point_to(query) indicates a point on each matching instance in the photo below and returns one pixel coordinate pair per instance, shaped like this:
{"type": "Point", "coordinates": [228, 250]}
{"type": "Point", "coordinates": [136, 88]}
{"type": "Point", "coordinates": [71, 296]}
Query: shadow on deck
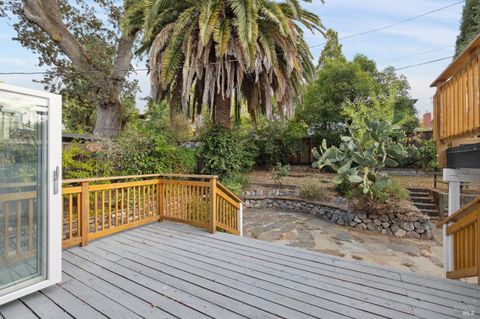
{"type": "Point", "coordinates": [168, 270]}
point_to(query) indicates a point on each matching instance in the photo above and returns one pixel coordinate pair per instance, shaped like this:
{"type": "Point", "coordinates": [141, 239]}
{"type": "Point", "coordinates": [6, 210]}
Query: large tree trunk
{"type": "Point", "coordinates": [222, 111]}
{"type": "Point", "coordinates": [46, 15]}
{"type": "Point", "coordinates": [109, 119]}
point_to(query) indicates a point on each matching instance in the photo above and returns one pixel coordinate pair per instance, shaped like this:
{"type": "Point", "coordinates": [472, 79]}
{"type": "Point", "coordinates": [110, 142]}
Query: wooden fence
{"type": "Point", "coordinates": [456, 104]}
{"type": "Point", "coordinates": [464, 227]}
{"type": "Point", "coordinates": [97, 207]}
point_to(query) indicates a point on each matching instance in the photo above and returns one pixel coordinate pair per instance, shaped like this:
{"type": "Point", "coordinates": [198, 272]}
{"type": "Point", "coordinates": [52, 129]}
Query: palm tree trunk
{"type": "Point", "coordinates": [222, 111]}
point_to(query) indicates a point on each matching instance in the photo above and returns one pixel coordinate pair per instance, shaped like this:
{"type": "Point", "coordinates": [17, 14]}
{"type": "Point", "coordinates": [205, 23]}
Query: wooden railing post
{"type": "Point", "coordinates": [160, 200]}
{"type": "Point", "coordinates": [477, 246]}
{"type": "Point", "coordinates": [85, 218]}
{"type": "Point", "coordinates": [213, 206]}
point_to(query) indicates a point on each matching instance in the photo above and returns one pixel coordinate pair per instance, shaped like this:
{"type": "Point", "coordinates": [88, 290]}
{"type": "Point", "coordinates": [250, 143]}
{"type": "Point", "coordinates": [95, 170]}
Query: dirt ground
{"type": "Point", "coordinates": [299, 174]}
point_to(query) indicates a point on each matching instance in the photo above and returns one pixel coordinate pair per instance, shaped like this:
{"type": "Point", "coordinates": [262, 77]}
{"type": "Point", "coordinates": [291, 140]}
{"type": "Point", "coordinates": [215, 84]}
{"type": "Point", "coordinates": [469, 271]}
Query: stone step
{"type": "Point", "coordinates": [420, 195]}
{"type": "Point", "coordinates": [418, 190]}
{"type": "Point", "coordinates": [430, 212]}
{"type": "Point", "coordinates": [417, 199]}
{"type": "Point", "coordinates": [425, 206]}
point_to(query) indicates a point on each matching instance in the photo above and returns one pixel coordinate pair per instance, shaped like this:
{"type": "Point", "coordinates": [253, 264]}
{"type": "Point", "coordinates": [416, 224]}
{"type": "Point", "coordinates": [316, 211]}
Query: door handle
{"type": "Point", "coordinates": [56, 179]}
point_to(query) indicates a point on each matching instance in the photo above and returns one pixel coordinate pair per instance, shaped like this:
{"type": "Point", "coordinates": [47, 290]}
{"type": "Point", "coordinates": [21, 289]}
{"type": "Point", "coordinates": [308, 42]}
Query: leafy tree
{"type": "Point", "coordinates": [277, 141]}
{"type": "Point", "coordinates": [470, 25]}
{"type": "Point", "coordinates": [337, 82]}
{"type": "Point", "coordinates": [332, 49]}
{"type": "Point", "coordinates": [215, 52]}
{"type": "Point", "coordinates": [88, 57]}
{"type": "Point", "coordinates": [347, 91]}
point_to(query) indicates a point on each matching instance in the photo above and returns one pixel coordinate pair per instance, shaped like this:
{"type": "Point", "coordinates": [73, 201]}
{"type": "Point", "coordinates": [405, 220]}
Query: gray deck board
{"type": "Point", "coordinates": [168, 270]}
{"type": "Point", "coordinates": [293, 290]}
{"type": "Point", "coordinates": [44, 307]}
{"type": "Point", "coordinates": [292, 280]}
{"type": "Point", "coordinates": [410, 281]}
{"type": "Point", "coordinates": [332, 262]}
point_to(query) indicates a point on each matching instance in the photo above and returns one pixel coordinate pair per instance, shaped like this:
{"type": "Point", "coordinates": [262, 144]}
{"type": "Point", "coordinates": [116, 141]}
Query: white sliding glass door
{"type": "Point", "coordinates": [30, 191]}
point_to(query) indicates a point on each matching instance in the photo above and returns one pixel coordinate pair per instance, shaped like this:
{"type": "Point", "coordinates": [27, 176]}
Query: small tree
{"type": "Point", "coordinates": [332, 49]}
{"type": "Point", "coordinates": [279, 172]}
{"type": "Point", "coordinates": [360, 157]}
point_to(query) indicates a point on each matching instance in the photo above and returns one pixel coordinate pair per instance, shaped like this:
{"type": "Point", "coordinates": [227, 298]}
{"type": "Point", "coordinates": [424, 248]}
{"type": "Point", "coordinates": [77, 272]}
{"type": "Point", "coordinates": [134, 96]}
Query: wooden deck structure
{"type": "Point", "coordinates": [464, 228]}
{"type": "Point", "coordinates": [97, 207]}
{"type": "Point", "coordinates": [170, 270]}
{"type": "Point", "coordinates": [456, 103]}
{"type": "Point", "coordinates": [456, 109]}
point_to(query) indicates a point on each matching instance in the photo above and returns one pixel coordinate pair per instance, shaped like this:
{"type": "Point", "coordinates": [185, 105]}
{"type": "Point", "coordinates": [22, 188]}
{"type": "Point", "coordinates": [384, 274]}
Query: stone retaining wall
{"type": "Point", "coordinates": [414, 225]}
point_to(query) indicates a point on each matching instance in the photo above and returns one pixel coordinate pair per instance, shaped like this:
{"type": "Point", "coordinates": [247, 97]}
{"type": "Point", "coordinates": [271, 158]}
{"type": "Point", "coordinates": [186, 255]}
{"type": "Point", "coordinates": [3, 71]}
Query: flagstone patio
{"type": "Point", "coordinates": [311, 232]}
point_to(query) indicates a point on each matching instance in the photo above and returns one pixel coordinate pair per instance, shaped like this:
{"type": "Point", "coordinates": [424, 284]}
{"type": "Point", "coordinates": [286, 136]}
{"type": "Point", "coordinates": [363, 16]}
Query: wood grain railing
{"type": "Point", "coordinates": [464, 227]}
{"type": "Point", "coordinates": [228, 206]}
{"type": "Point", "coordinates": [456, 102]}
{"type": "Point", "coordinates": [97, 207]}
{"type": "Point", "coordinates": [17, 214]}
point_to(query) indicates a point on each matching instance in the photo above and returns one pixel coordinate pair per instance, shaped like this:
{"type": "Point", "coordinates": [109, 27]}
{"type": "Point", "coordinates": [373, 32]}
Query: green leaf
{"type": "Point", "coordinates": [324, 144]}
{"type": "Point", "coordinates": [390, 162]}
{"type": "Point", "coordinates": [338, 179]}
{"type": "Point", "coordinates": [382, 183]}
{"type": "Point", "coordinates": [342, 170]}
{"type": "Point", "coordinates": [355, 179]}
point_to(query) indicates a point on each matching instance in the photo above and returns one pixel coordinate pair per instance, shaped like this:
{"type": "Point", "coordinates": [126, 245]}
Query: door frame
{"type": "Point", "coordinates": [53, 256]}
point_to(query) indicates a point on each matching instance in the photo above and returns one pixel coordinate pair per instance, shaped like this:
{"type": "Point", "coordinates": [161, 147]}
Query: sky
{"type": "Point", "coordinates": [400, 46]}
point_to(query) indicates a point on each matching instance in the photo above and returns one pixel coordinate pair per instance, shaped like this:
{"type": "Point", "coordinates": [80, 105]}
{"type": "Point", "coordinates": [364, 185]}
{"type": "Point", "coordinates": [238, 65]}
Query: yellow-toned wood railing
{"type": "Point", "coordinates": [17, 214]}
{"type": "Point", "coordinates": [97, 207]}
{"type": "Point", "coordinates": [464, 227]}
{"type": "Point", "coordinates": [456, 103]}
{"type": "Point", "coordinates": [228, 208]}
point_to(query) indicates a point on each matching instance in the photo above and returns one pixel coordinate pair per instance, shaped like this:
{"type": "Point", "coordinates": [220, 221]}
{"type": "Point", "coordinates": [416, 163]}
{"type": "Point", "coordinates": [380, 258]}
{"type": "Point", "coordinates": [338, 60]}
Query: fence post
{"type": "Point", "coordinates": [85, 218]}
{"type": "Point", "coordinates": [477, 245]}
{"type": "Point", "coordinates": [213, 206]}
{"type": "Point", "coordinates": [160, 200]}
{"type": "Point", "coordinates": [240, 219]}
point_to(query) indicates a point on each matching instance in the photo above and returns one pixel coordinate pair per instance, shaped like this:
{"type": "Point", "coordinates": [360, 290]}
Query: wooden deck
{"type": "Point", "coordinates": [167, 270]}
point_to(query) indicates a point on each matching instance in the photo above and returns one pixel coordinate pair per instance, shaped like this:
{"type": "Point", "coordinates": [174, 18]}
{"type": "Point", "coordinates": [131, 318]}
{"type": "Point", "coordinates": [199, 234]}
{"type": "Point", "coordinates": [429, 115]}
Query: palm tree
{"type": "Point", "coordinates": [216, 53]}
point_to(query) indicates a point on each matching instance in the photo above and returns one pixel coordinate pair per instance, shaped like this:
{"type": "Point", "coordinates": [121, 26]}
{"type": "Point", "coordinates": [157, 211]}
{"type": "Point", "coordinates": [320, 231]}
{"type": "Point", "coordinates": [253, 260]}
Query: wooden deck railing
{"type": "Point", "coordinates": [18, 220]}
{"type": "Point", "coordinates": [97, 207]}
{"type": "Point", "coordinates": [456, 103]}
{"type": "Point", "coordinates": [464, 227]}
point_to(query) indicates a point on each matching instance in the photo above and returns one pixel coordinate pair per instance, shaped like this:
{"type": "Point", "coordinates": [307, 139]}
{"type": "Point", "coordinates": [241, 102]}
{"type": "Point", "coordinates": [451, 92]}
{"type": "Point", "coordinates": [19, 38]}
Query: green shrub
{"type": "Point", "coordinates": [226, 152]}
{"type": "Point", "coordinates": [237, 183]}
{"type": "Point", "coordinates": [277, 142]}
{"type": "Point", "coordinates": [279, 172]}
{"type": "Point", "coordinates": [393, 191]}
{"type": "Point", "coordinates": [132, 153]}
{"type": "Point", "coordinates": [360, 158]}
{"type": "Point", "coordinates": [135, 153]}
{"type": "Point", "coordinates": [426, 155]}
{"type": "Point", "coordinates": [78, 162]}
{"type": "Point", "coordinates": [423, 155]}
{"type": "Point", "coordinates": [313, 190]}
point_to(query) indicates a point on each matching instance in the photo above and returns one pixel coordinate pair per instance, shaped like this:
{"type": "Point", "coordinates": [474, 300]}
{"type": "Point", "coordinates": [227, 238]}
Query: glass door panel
{"type": "Point", "coordinates": [24, 191]}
